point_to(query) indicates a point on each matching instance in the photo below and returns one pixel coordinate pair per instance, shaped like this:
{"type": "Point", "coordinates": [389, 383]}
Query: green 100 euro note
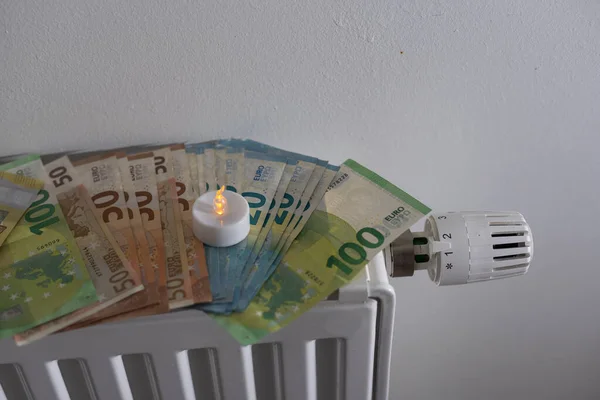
{"type": "Point", "coordinates": [42, 273]}
{"type": "Point", "coordinates": [360, 214]}
{"type": "Point", "coordinates": [17, 192]}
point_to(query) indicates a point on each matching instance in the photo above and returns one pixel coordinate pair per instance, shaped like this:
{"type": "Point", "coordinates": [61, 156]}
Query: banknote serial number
{"type": "Point", "coordinates": [91, 262]}
{"type": "Point", "coordinates": [314, 278]}
{"type": "Point", "coordinates": [337, 182]}
{"type": "Point", "coordinates": [49, 244]}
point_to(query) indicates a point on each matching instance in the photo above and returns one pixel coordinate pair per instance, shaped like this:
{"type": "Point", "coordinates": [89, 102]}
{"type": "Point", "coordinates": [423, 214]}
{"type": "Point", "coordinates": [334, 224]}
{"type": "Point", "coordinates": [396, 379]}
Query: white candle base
{"type": "Point", "coordinates": [221, 230]}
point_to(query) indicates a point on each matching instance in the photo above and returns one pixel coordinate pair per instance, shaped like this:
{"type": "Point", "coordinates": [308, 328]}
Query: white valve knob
{"type": "Point", "coordinates": [473, 246]}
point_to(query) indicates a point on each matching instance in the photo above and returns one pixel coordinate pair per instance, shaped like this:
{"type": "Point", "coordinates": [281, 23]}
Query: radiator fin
{"type": "Point", "coordinates": [299, 370]}
{"type": "Point", "coordinates": [204, 368]}
{"type": "Point", "coordinates": [76, 378]}
{"type": "Point", "coordinates": [331, 372]}
{"type": "Point", "coordinates": [43, 380]}
{"type": "Point", "coordinates": [268, 365]}
{"type": "Point", "coordinates": [12, 383]}
{"type": "Point", "coordinates": [141, 376]}
{"type": "Point", "coordinates": [108, 377]}
{"type": "Point", "coordinates": [172, 369]}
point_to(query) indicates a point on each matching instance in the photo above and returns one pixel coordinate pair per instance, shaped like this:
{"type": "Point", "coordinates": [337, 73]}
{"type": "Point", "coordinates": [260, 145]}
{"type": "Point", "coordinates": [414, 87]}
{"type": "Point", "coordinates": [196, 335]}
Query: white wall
{"type": "Point", "coordinates": [465, 104]}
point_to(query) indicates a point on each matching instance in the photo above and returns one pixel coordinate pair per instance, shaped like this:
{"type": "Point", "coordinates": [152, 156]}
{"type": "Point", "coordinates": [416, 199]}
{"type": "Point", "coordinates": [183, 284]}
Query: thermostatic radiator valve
{"type": "Point", "coordinates": [464, 247]}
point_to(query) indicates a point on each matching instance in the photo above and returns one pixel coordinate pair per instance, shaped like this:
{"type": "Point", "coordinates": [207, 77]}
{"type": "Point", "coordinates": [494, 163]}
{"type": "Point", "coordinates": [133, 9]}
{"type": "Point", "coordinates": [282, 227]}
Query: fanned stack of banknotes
{"type": "Point", "coordinates": [91, 239]}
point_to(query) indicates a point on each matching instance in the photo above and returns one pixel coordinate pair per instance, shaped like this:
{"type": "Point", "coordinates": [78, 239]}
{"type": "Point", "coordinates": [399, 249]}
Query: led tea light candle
{"type": "Point", "coordinates": [221, 218]}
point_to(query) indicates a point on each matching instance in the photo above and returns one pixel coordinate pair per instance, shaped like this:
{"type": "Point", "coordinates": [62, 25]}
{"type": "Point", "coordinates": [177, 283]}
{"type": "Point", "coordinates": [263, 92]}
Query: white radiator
{"type": "Point", "coordinates": [339, 350]}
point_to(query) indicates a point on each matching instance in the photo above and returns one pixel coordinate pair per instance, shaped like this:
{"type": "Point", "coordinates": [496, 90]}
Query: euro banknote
{"type": "Point", "coordinates": [313, 226]}
{"type": "Point", "coordinates": [42, 275]}
{"type": "Point", "coordinates": [111, 272]}
{"type": "Point", "coordinates": [229, 168]}
{"type": "Point", "coordinates": [111, 267]}
{"type": "Point", "coordinates": [262, 174]}
{"type": "Point", "coordinates": [142, 178]}
{"type": "Point", "coordinates": [315, 177]}
{"type": "Point", "coordinates": [102, 178]}
{"type": "Point", "coordinates": [194, 181]}
{"type": "Point", "coordinates": [253, 286]}
{"type": "Point", "coordinates": [139, 169]}
{"type": "Point", "coordinates": [146, 269]}
{"type": "Point", "coordinates": [205, 162]}
{"type": "Point", "coordinates": [248, 273]}
{"type": "Point", "coordinates": [179, 287]}
{"type": "Point", "coordinates": [305, 166]}
{"type": "Point", "coordinates": [303, 170]}
{"type": "Point", "coordinates": [194, 249]}
{"type": "Point", "coordinates": [17, 192]}
{"type": "Point", "coordinates": [360, 214]}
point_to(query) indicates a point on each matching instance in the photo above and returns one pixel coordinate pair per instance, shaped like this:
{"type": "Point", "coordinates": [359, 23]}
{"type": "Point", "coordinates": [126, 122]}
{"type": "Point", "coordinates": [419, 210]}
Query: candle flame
{"type": "Point", "coordinates": [220, 202]}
